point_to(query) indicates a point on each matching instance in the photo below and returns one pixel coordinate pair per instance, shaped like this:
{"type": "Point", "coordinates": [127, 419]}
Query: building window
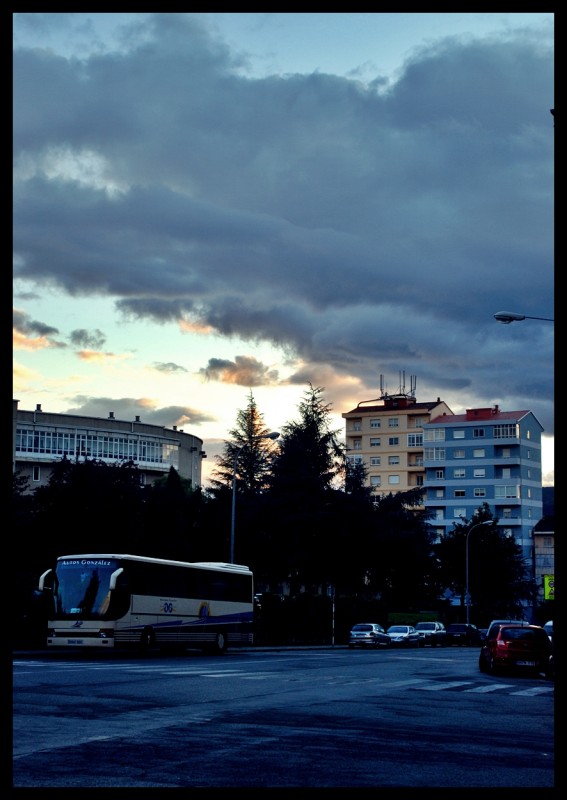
{"type": "Point", "coordinates": [506, 491]}
{"type": "Point", "coordinates": [393, 479]}
{"type": "Point", "coordinates": [505, 432]}
{"type": "Point", "coordinates": [418, 422]}
{"type": "Point", "coordinates": [440, 493]}
{"type": "Point", "coordinates": [529, 493]}
{"type": "Point", "coordinates": [458, 453]}
{"type": "Point", "coordinates": [415, 439]}
{"type": "Point", "coordinates": [419, 480]}
{"type": "Point", "coordinates": [357, 424]}
{"type": "Point", "coordinates": [506, 472]}
{"type": "Point", "coordinates": [460, 513]}
{"type": "Point", "coordinates": [528, 434]}
{"type": "Point", "coordinates": [393, 422]}
{"type": "Point", "coordinates": [458, 434]}
{"type": "Point", "coordinates": [394, 441]}
{"type": "Point", "coordinates": [478, 452]}
{"type": "Point", "coordinates": [434, 435]}
{"type": "Point", "coordinates": [374, 423]}
{"type": "Point", "coordinates": [507, 532]}
{"type": "Point", "coordinates": [36, 474]}
{"type": "Point", "coordinates": [357, 444]}
{"type": "Point", "coordinates": [478, 433]}
{"type": "Point", "coordinates": [459, 493]}
{"type": "Point", "coordinates": [354, 460]}
{"type": "Point", "coordinates": [439, 474]}
{"type": "Point", "coordinates": [393, 460]}
{"type": "Point", "coordinates": [529, 453]}
{"type": "Point", "coordinates": [374, 442]}
{"type": "Point", "coordinates": [459, 473]}
{"type": "Point", "coordinates": [529, 513]}
{"type": "Point", "coordinates": [438, 513]}
{"type": "Point", "coordinates": [375, 461]}
{"type": "Point", "coordinates": [375, 480]}
{"type": "Point", "coordinates": [505, 452]}
{"type": "Point", "coordinates": [506, 513]}
{"type": "Point", "coordinates": [479, 473]}
{"type": "Point", "coordinates": [480, 492]}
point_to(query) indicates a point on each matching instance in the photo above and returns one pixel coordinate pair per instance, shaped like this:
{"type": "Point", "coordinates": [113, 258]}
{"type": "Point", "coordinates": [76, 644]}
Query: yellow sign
{"type": "Point", "coordinates": [548, 587]}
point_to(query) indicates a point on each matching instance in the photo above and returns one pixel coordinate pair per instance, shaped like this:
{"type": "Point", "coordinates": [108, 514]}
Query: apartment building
{"type": "Point", "coordinates": [485, 456]}
{"type": "Point", "coordinates": [386, 436]}
{"type": "Point", "coordinates": [40, 438]}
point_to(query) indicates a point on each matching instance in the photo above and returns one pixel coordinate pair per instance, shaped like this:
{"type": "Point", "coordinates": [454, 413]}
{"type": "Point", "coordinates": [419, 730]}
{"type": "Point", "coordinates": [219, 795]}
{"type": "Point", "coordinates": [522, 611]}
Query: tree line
{"type": "Point", "coordinates": [304, 521]}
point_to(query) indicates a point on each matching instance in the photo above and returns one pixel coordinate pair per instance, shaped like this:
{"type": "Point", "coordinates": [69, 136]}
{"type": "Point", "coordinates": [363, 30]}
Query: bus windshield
{"type": "Point", "coordinates": [82, 587]}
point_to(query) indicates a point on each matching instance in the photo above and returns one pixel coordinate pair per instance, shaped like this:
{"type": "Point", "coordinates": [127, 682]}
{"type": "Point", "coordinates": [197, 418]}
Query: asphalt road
{"type": "Point", "coordinates": [280, 718]}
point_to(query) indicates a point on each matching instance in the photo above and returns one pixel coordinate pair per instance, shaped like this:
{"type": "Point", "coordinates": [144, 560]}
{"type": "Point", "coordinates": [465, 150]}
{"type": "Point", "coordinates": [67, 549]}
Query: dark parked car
{"type": "Point", "coordinates": [463, 633]}
{"type": "Point", "coordinates": [368, 634]}
{"type": "Point", "coordinates": [433, 633]}
{"type": "Point", "coordinates": [405, 636]}
{"type": "Point", "coordinates": [525, 647]}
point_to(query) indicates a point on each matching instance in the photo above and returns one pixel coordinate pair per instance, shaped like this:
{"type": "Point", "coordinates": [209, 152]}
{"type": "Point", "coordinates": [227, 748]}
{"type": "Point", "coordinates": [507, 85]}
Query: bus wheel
{"type": "Point", "coordinates": [147, 641]}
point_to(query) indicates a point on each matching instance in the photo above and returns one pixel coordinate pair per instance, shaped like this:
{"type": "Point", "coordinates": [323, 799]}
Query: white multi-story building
{"type": "Point", "coordinates": [41, 438]}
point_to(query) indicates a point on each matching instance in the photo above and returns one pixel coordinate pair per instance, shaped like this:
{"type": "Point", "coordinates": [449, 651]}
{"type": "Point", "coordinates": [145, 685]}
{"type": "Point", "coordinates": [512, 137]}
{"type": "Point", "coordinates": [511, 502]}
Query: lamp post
{"type": "Point", "coordinates": [272, 435]}
{"type": "Point", "coordinates": [470, 530]}
{"type": "Point", "coordinates": [506, 317]}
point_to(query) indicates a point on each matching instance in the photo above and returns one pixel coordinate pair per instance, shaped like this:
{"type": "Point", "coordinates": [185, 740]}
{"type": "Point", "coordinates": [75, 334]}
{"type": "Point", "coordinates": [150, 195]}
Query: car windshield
{"type": "Point", "coordinates": [362, 628]}
{"type": "Point", "coordinates": [425, 626]}
{"type": "Point", "coordinates": [397, 629]}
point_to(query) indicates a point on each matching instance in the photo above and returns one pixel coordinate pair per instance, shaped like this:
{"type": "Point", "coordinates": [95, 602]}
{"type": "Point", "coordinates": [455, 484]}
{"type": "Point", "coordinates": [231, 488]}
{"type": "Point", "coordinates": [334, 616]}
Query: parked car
{"type": "Point", "coordinates": [433, 633]}
{"type": "Point", "coordinates": [368, 634]}
{"type": "Point", "coordinates": [516, 646]}
{"type": "Point", "coordinates": [405, 636]}
{"type": "Point", "coordinates": [463, 633]}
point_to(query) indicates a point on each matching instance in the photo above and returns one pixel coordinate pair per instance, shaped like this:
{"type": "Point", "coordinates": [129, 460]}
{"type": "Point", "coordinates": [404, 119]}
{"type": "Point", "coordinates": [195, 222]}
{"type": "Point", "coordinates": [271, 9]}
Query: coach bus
{"type": "Point", "coordinates": [113, 601]}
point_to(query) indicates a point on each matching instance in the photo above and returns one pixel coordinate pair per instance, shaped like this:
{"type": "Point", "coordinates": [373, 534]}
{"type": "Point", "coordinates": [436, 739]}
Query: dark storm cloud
{"type": "Point", "coordinates": [129, 408]}
{"type": "Point", "coordinates": [371, 228]}
{"type": "Point", "coordinates": [94, 340]}
{"type": "Point", "coordinates": [31, 327]}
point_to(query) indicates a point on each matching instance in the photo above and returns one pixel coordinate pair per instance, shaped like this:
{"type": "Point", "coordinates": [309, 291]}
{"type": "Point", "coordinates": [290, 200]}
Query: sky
{"type": "Point", "coordinates": [209, 207]}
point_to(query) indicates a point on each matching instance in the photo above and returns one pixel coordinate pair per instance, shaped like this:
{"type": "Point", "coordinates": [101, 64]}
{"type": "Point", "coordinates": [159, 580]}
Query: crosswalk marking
{"type": "Point", "coordinates": [419, 684]}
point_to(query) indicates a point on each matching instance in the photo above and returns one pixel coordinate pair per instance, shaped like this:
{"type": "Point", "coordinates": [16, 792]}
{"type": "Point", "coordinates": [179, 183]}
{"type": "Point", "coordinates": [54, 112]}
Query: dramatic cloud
{"type": "Point", "coordinates": [244, 371]}
{"type": "Point", "coordinates": [362, 228]}
{"type": "Point", "coordinates": [130, 408]}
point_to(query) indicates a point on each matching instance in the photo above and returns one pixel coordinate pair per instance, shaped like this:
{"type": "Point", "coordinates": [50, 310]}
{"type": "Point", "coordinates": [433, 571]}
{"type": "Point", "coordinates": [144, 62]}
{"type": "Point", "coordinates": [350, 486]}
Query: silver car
{"type": "Point", "coordinates": [405, 636]}
{"type": "Point", "coordinates": [368, 634]}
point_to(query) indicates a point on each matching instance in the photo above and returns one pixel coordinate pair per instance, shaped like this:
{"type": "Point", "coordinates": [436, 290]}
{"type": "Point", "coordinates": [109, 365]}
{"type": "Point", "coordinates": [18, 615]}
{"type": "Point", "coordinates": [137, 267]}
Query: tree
{"type": "Point", "coordinates": [245, 464]}
{"type": "Point", "coordinates": [248, 454]}
{"type": "Point", "coordinates": [401, 563]}
{"type": "Point", "coordinates": [302, 529]}
{"type": "Point", "coordinates": [499, 577]}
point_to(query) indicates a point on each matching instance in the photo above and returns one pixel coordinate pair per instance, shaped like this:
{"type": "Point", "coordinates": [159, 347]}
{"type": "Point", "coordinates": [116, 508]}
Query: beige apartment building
{"type": "Point", "coordinates": [386, 436]}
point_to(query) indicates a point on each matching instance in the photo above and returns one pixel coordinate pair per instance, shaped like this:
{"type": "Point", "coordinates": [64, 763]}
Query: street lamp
{"type": "Point", "coordinates": [506, 317]}
{"type": "Point", "coordinates": [272, 435]}
{"type": "Point", "coordinates": [467, 598]}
